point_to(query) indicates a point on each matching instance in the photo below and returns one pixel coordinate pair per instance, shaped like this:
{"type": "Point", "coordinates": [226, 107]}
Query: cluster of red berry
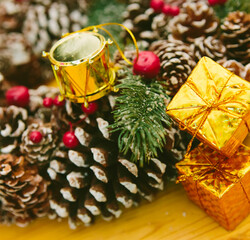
{"type": "Point", "coordinates": [19, 96]}
{"type": "Point", "coordinates": [160, 7]}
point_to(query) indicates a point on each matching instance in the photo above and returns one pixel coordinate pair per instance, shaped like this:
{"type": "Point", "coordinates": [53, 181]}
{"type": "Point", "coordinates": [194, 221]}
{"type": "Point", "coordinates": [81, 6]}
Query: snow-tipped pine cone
{"type": "Point", "coordinates": [23, 194]}
{"type": "Point", "coordinates": [210, 47]}
{"type": "Point", "coordinates": [46, 21]}
{"type": "Point", "coordinates": [18, 63]}
{"type": "Point", "coordinates": [13, 122]}
{"type": "Point", "coordinates": [176, 63]}
{"type": "Point", "coordinates": [12, 14]}
{"type": "Point", "coordinates": [138, 18]}
{"type": "Point", "coordinates": [195, 20]}
{"type": "Point", "coordinates": [40, 152]}
{"type": "Point", "coordinates": [237, 68]}
{"type": "Point", "coordinates": [236, 36]}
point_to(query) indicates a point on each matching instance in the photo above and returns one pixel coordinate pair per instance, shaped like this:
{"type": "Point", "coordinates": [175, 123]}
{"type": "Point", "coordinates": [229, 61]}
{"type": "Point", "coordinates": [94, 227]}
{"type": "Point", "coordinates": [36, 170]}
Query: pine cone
{"type": "Point", "coordinates": [93, 180]}
{"type": "Point", "coordinates": [47, 21]}
{"type": "Point", "coordinates": [39, 152]}
{"type": "Point", "coordinates": [237, 68]}
{"type": "Point", "coordinates": [138, 18]}
{"type": "Point", "coordinates": [236, 36]}
{"type": "Point", "coordinates": [195, 20]}
{"type": "Point", "coordinates": [12, 124]}
{"type": "Point", "coordinates": [18, 63]}
{"type": "Point", "coordinates": [160, 26]}
{"type": "Point", "coordinates": [210, 46]}
{"type": "Point", "coordinates": [176, 63]}
{"type": "Point", "coordinates": [36, 107]}
{"type": "Point", "coordinates": [23, 191]}
{"type": "Point", "coordinates": [12, 15]}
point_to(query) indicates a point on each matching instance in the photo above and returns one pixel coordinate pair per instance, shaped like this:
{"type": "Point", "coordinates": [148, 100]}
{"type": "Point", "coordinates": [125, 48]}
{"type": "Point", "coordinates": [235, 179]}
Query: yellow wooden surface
{"type": "Point", "coordinates": [170, 216]}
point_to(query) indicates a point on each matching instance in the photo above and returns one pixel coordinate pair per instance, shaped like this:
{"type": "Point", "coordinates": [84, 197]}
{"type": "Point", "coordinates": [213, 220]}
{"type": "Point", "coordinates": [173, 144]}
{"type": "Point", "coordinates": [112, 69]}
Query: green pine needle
{"type": "Point", "coordinates": [140, 117]}
{"type": "Point", "coordinates": [231, 6]}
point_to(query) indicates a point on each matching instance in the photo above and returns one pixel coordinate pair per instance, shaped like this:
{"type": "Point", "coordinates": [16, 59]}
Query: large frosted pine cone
{"type": "Point", "coordinates": [93, 180]}
{"type": "Point", "coordinates": [39, 152]}
{"type": "Point", "coordinates": [13, 122]}
{"type": "Point", "coordinates": [195, 20]}
{"type": "Point", "coordinates": [23, 191]}
{"type": "Point", "coordinates": [176, 63]}
{"type": "Point", "coordinates": [210, 46]}
{"type": "Point", "coordinates": [236, 36]}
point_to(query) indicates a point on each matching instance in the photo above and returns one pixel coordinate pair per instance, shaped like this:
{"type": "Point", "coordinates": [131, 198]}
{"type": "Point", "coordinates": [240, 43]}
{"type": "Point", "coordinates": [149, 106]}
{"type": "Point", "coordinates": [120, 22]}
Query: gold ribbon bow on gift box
{"type": "Point", "coordinates": [213, 105]}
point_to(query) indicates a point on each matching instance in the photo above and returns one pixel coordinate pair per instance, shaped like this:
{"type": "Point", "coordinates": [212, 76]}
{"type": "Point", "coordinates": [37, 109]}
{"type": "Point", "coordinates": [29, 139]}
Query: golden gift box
{"type": "Point", "coordinates": [219, 185]}
{"type": "Point", "coordinates": [214, 106]}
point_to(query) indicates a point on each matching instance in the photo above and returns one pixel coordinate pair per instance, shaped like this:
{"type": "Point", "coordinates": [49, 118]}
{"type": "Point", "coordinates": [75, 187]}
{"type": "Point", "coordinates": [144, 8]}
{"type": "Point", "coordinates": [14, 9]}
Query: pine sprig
{"type": "Point", "coordinates": [231, 6]}
{"type": "Point", "coordinates": [140, 117]}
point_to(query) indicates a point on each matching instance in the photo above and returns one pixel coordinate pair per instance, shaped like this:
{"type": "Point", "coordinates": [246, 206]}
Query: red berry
{"type": "Point", "coordinates": [70, 140]}
{"type": "Point", "coordinates": [174, 11]}
{"type": "Point", "coordinates": [148, 64]}
{"type": "Point", "coordinates": [91, 109]}
{"type": "Point", "coordinates": [47, 102]}
{"type": "Point", "coordinates": [57, 102]}
{"type": "Point", "coordinates": [18, 96]}
{"type": "Point", "coordinates": [166, 9]}
{"type": "Point", "coordinates": [157, 5]}
{"type": "Point", "coordinates": [36, 137]}
{"type": "Point", "coordinates": [213, 2]}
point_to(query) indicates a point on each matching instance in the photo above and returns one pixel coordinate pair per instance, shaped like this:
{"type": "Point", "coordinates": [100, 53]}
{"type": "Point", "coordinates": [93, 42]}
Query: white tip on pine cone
{"type": "Point", "coordinates": [130, 186]}
{"type": "Point", "coordinates": [127, 203]}
{"type": "Point", "coordinates": [83, 137]}
{"type": "Point", "coordinates": [58, 166]}
{"type": "Point", "coordinates": [93, 209]}
{"type": "Point", "coordinates": [77, 158]}
{"type": "Point", "coordinates": [116, 213]}
{"type": "Point", "coordinates": [99, 173]}
{"type": "Point", "coordinates": [67, 194]}
{"type": "Point", "coordinates": [132, 168]}
{"type": "Point", "coordinates": [157, 185]}
{"type": "Point", "coordinates": [154, 176]}
{"type": "Point", "coordinates": [112, 101]}
{"type": "Point", "coordinates": [8, 149]}
{"type": "Point", "coordinates": [19, 130]}
{"type": "Point", "coordinates": [147, 197]}
{"type": "Point", "coordinates": [52, 173]}
{"type": "Point", "coordinates": [60, 210]}
{"type": "Point", "coordinates": [84, 218]}
{"type": "Point", "coordinates": [99, 196]}
{"type": "Point", "coordinates": [182, 29]}
{"type": "Point", "coordinates": [102, 125]}
{"type": "Point", "coordinates": [199, 24]}
{"type": "Point", "coordinates": [72, 224]}
{"type": "Point", "coordinates": [7, 131]}
{"type": "Point", "coordinates": [159, 164]}
{"type": "Point", "coordinates": [99, 155]}
{"type": "Point", "coordinates": [75, 179]}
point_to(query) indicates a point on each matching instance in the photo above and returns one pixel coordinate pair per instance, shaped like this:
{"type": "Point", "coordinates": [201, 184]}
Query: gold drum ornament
{"type": "Point", "coordinates": [81, 65]}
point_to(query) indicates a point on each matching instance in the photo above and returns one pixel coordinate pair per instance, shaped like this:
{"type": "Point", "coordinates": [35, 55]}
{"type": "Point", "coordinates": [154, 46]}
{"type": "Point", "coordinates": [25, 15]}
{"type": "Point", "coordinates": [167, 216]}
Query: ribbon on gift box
{"type": "Point", "coordinates": [224, 100]}
{"type": "Point", "coordinates": [216, 173]}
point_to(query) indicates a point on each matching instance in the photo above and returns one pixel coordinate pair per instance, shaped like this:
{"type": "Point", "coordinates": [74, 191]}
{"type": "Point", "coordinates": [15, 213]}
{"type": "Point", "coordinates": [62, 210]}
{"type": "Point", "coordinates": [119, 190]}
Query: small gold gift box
{"type": "Point", "coordinates": [214, 106]}
{"type": "Point", "coordinates": [219, 185]}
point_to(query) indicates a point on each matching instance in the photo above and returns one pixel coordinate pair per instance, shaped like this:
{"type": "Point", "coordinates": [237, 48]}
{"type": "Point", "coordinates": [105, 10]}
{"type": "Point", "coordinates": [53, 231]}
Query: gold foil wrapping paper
{"type": "Point", "coordinates": [214, 106]}
{"type": "Point", "coordinates": [219, 185]}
